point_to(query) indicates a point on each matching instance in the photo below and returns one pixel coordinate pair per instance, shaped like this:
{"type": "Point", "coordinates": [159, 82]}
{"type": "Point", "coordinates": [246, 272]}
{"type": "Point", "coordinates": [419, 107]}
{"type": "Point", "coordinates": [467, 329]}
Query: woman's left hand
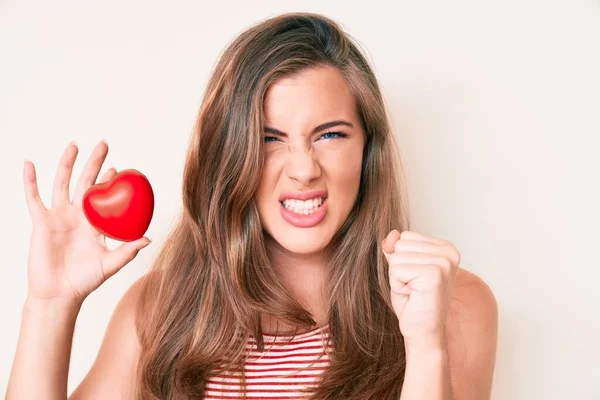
{"type": "Point", "coordinates": [422, 273]}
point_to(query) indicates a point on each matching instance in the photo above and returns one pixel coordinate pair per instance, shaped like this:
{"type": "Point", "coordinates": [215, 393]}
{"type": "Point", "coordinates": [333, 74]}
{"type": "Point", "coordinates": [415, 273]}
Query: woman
{"type": "Point", "coordinates": [294, 223]}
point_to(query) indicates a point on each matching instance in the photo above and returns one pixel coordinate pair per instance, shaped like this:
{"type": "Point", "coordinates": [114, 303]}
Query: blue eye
{"type": "Point", "coordinates": [339, 134]}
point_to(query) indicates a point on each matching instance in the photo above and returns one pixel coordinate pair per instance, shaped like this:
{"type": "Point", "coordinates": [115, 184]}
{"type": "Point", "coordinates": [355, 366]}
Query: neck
{"type": "Point", "coordinates": [304, 275]}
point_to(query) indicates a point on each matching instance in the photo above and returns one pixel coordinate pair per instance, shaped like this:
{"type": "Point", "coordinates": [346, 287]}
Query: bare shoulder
{"type": "Point", "coordinates": [113, 372]}
{"type": "Point", "coordinates": [473, 308]}
{"type": "Point", "coordinates": [472, 332]}
{"type": "Point", "coordinates": [471, 294]}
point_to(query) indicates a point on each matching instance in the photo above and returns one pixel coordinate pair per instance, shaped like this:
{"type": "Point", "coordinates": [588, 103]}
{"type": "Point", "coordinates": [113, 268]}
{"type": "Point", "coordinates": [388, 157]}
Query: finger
{"type": "Point", "coordinates": [107, 176]}
{"type": "Point", "coordinates": [417, 246]}
{"type": "Point", "coordinates": [401, 289]}
{"type": "Point", "coordinates": [90, 171]}
{"type": "Point", "coordinates": [438, 261]}
{"type": "Point", "coordinates": [32, 196]}
{"type": "Point", "coordinates": [119, 257]}
{"type": "Point", "coordinates": [420, 246]}
{"type": "Point", "coordinates": [411, 235]}
{"type": "Point", "coordinates": [414, 276]}
{"type": "Point", "coordinates": [62, 177]}
{"type": "Point", "coordinates": [390, 240]}
{"type": "Point", "coordinates": [397, 285]}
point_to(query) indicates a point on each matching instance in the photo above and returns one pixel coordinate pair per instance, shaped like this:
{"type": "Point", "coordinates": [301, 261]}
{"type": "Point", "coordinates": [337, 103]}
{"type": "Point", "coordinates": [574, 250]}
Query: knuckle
{"type": "Point", "coordinates": [446, 263]}
{"type": "Point", "coordinates": [453, 253]}
{"type": "Point", "coordinates": [457, 257]}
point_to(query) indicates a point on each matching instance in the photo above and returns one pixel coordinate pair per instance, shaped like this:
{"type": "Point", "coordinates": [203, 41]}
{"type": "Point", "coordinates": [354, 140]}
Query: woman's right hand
{"type": "Point", "coordinates": [68, 258]}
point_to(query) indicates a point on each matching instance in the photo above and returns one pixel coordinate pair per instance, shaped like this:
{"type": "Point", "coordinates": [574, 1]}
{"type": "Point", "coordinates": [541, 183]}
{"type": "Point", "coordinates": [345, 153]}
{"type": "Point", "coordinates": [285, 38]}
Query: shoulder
{"type": "Point", "coordinates": [472, 332]}
{"type": "Point", "coordinates": [122, 325]}
{"type": "Point", "coordinates": [113, 372]}
{"type": "Point", "coordinates": [472, 297]}
{"type": "Point", "coordinates": [473, 312]}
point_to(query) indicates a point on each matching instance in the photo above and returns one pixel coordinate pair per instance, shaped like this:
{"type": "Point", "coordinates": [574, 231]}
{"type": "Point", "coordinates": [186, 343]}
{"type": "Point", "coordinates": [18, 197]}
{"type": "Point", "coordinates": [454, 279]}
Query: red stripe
{"type": "Point", "coordinates": [280, 369]}
{"type": "Point", "coordinates": [211, 397]}
{"type": "Point", "coordinates": [291, 359]}
{"type": "Point", "coordinates": [302, 351]}
{"type": "Point", "coordinates": [257, 364]}
{"type": "Point", "coordinates": [260, 390]}
{"type": "Point", "coordinates": [251, 378]}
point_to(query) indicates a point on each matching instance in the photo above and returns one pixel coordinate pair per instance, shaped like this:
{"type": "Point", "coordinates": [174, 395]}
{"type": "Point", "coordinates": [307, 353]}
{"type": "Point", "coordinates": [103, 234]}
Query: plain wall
{"type": "Point", "coordinates": [495, 104]}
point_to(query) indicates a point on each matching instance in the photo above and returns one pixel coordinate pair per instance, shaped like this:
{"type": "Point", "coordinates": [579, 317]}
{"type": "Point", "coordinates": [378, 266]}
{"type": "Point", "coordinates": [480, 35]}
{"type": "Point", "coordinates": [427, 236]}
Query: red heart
{"type": "Point", "coordinates": [122, 207]}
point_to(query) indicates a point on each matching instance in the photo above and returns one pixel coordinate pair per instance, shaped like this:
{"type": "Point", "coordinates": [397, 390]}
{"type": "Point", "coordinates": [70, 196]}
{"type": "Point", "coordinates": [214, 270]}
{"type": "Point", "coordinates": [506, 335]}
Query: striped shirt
{"type": "Point", "coordinates": [280, 371]}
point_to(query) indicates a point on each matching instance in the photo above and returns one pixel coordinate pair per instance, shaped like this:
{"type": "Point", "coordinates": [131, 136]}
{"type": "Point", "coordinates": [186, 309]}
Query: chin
{"type": "Point", "coordinates": [300, 244]}
{"type": "Point", "coordinates": [302, 248]}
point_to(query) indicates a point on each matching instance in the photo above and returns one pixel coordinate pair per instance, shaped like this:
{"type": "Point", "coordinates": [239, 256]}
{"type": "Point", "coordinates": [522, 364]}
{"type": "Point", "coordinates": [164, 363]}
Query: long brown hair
{"type": "Point", "coordinates": [212, 280]}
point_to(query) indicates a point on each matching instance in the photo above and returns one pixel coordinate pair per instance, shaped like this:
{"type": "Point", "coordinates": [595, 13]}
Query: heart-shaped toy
{"type": "Point", "coordinates": [122, 207]}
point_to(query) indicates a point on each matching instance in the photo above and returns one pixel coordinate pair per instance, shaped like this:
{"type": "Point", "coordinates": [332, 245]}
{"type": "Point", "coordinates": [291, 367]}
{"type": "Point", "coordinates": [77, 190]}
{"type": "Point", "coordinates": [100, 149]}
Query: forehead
{"type": "Point", "coordinates": [313, 96]}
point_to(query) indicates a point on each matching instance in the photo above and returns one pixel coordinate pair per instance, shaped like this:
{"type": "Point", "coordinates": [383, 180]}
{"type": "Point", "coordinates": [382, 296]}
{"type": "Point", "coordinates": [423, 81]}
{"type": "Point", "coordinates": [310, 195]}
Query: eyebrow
{"type": "Point", "coordinates": [318, 128]}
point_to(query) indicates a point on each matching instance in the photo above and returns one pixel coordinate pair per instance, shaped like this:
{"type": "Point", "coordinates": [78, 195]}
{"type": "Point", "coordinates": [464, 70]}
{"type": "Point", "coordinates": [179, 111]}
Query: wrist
{"type": "Point", "coordinates": [433, 345]}
{"type": "Point", "coordinates": [35, 305]}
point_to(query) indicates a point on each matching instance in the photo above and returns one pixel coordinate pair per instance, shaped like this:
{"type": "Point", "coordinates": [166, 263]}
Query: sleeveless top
{"type": "Point", "coordinates": [280, 371]}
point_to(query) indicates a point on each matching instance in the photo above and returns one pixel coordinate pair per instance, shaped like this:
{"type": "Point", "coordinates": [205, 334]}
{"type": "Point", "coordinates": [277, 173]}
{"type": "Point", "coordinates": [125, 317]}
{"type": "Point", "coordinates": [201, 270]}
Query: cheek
{"type": "Point", "coordinates": [343, 182]}
{"type": "Point", "coordinates": [343, 167]}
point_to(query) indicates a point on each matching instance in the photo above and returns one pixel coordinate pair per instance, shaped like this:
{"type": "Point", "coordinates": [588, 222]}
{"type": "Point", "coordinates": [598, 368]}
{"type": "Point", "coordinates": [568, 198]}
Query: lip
{"type": "Point", "coordinates": [304, 221]}
{"type": "Point", "coordinates": [309, 194]}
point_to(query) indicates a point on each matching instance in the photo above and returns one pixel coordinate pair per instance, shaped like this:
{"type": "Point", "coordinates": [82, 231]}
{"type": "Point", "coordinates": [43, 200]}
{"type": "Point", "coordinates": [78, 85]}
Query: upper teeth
{"type": "Point", "coordinates": [303, 205]}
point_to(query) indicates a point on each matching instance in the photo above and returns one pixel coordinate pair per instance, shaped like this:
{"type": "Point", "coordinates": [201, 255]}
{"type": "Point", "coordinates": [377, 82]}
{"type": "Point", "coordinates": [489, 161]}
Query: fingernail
{"type": "Point", "coordinates": [105, 141]}
{"type": "Point", "coordinates": [74, 143]}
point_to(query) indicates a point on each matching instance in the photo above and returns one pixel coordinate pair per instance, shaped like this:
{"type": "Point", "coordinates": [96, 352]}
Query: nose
{"type": "Point", "coordinates": [302, 165]}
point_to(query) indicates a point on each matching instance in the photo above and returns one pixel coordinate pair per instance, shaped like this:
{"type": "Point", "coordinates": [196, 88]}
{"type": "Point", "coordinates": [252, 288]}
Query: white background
{"type": "Point", "coordinates": [496, 106]}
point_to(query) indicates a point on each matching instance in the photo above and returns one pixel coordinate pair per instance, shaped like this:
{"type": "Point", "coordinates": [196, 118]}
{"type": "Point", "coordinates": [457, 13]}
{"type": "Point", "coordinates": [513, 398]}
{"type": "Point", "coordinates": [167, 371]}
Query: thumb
{"type": "Point", "coordinates": [389, 242]}
{"type": "Point", "coordinates": [119, 257]}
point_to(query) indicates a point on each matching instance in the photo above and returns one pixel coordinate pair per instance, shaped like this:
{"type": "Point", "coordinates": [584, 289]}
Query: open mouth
{"type": "Point", "coordinates": [304, 207]}
{"type": "Point", "coordinates": [305, 218]}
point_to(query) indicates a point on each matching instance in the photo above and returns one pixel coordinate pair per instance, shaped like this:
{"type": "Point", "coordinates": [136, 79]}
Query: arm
{"type": "Point", "coordinates": [472, 332]}
{"type": "Point", "coordinates": [112, 376]}
{"type": "Point", "coordinates": [68, 259]}
{"type": "Point", "coordinates": [427, 373]}
{"type": "Point", "coordinates": [462, 366]}
{"type": "Point", "coordinates": [43, 350]}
